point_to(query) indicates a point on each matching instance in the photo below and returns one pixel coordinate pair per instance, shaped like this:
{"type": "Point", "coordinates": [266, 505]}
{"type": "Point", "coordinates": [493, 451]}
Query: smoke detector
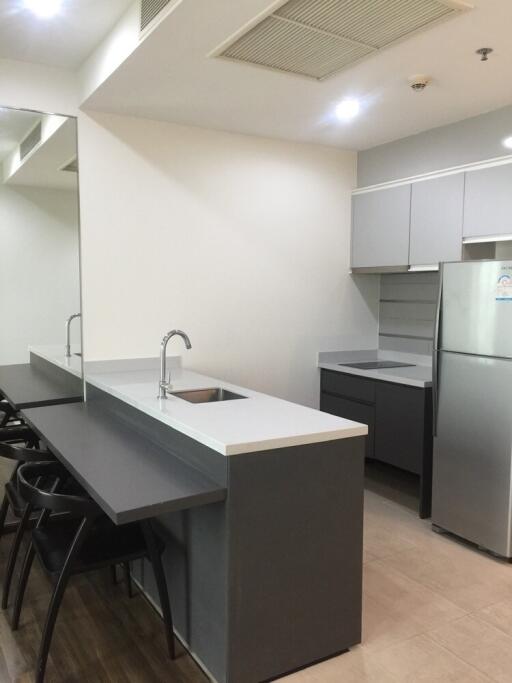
{"type": "Point", "coordinates": [419, 82]}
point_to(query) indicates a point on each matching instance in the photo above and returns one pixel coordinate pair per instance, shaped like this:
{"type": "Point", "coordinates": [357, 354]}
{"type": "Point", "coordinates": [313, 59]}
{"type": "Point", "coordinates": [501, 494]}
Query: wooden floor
{"type": "Point", "coordinates": [101, 636]}
{"type": "Point", "coordinates": [435, 611]}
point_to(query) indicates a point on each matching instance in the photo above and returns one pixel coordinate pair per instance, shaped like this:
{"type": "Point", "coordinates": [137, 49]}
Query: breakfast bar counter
{"type": "Point", "coordinates": [38, 383]}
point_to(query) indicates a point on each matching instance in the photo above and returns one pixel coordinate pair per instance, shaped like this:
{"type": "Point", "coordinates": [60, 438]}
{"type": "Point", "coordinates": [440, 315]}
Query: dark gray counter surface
{"type": "Point", "coordinates": [28, 385]}
{"type": "Point", "coordinates": [128, 475]}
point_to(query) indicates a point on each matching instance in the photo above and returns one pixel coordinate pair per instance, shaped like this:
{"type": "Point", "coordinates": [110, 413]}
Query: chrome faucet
{"type": "Point", "coordinates": [68, 332]}
{"type": "Point", "coordinates": [165, 383]}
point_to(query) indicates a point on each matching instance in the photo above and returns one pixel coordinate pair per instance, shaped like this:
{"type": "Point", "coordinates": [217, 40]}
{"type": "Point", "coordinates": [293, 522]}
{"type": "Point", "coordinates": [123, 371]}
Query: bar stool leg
{"type": "Point", "coordinates": [49, 625]}
{"type": "Point", "coordinates": [3, 513]}
{"type": "Point", "coordinates": [158, 570]}
{"type": "Point", "coordinates": [22, 585]}
{"type": "Point", "coordinates": [56, 599]}
{"type": "Point", "coordinates": [113, 574]}
{"type": "Point", "coordinates": [13, 555]}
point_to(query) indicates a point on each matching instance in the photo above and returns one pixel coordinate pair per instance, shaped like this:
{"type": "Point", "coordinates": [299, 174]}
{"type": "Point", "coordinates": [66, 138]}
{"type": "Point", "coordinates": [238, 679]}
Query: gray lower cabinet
{"type": "Point", "coordinates": [399, 420]}
{"type": "Point", "coordinates": [488, 202]}
{"type": "Point", "coordinates": [352, 410]}
{"type": "Point", "coordinates": [436, 220]}
{"type": "Point", "coordinates": [380, 228]}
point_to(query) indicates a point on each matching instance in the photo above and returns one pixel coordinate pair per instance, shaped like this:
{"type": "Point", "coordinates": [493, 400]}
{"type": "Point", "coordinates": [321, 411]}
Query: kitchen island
{"type": "Point", "coordinates": [264, 556]}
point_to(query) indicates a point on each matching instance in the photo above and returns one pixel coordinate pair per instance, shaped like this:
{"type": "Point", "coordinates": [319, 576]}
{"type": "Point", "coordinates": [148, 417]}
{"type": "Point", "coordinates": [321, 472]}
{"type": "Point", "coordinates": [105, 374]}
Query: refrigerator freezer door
{"type": "Point", "coordinates": [476, 308]}
{"type": "Point", "coordinates": [471, 494]}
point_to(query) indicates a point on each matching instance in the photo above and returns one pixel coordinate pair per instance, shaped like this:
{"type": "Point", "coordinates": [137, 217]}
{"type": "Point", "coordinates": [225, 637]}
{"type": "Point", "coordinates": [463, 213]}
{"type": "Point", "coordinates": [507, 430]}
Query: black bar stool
{"type": "Point", "coordinates": [7, 413]}
{"type": "Point", "coordinates": [19, 433]}
{"type": "Point", "coordinates": [87, 542]}
{"type": "Point", "coordinates": [15, 502]}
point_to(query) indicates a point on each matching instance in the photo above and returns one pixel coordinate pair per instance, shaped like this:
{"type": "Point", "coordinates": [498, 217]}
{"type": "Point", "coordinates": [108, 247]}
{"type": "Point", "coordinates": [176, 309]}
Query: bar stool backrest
{"type": "Point", "coordinates": [22, 454]}
{"type": "Point", "coordinates": [30, 476]}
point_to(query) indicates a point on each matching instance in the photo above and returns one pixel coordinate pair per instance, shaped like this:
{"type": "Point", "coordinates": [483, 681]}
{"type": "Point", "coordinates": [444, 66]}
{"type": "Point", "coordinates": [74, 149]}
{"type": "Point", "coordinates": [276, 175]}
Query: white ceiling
{"type": "Point", "coordinates": [170, 77]}
{"type": "Point", "coordinates": [14, 125]}
{"type": "Point", "coordinates": [64, 40]}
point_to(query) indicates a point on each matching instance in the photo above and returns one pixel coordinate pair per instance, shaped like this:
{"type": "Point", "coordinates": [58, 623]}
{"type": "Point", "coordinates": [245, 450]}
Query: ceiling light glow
{"type": "Point", "coordinates": [507, 142]}
{"type": "Point", "coordinates": [43, 8]}
{"type": "Point", "coordinates": [348, 109]}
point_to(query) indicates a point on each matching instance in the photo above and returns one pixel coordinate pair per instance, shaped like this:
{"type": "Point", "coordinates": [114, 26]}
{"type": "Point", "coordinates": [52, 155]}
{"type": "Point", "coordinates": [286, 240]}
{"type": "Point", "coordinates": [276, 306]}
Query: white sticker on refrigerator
{"type": "Point", "coordinates": [504, 288]}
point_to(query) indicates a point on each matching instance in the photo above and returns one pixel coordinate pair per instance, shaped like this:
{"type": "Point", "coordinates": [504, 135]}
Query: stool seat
{"type": "Point", "coordinates": [106, 544]}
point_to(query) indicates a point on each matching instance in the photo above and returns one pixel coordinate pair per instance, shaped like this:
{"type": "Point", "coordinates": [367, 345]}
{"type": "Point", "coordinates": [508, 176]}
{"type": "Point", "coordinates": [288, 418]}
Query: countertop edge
{"type": "Point", "coordinates": [378, 375]}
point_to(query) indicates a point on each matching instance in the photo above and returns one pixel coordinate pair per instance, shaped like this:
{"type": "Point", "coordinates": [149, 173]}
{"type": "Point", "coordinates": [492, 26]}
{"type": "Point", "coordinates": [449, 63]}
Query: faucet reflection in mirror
{"type": "Point", "coordinates": [68, 332]}
{"type": "Point", "coordinates": [164, 383]}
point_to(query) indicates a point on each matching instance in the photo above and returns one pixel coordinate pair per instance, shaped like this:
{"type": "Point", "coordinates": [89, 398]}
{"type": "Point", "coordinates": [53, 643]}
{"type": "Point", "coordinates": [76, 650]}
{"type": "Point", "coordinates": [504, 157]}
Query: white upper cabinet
{"type": "Point", "coordinates": [488, 202]}
{"type": "Point", "coordinates": [436, 220]}
{"type": "Point", "coordinates": [380, 228]}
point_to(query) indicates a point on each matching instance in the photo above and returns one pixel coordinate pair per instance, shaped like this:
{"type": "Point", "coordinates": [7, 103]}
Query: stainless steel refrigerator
{"type": "Point", "coordinates": [472, 392]}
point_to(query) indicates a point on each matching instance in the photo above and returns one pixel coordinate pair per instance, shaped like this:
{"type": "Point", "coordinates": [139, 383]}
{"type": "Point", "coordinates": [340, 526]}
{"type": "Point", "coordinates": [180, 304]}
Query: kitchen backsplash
{"type": "Point", "coordinates": [407, 311]}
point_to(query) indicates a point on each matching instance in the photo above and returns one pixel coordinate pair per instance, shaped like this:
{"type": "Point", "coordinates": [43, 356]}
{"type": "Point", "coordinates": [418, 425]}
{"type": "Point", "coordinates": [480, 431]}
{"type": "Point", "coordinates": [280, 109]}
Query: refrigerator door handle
{"type": "Point", "coordinates": [435, 354]}
{"type": "Point", "coordinates": [435, 403]}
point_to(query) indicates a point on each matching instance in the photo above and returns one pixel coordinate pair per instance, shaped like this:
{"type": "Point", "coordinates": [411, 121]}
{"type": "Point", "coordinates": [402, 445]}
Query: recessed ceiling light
{"type": "Point", "coordinates": [507, 142]}
{"type": "Point", "coordinates": [43, 8]}
{"type": "Point", "coordinates": [348, 109]}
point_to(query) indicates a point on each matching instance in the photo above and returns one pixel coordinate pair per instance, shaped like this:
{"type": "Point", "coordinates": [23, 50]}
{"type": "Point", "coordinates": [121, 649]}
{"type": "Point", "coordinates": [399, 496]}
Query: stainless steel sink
{"type": "Point", "coordinates": [207, 395]}
{"type": "Point", "coordinates": [377, 365]}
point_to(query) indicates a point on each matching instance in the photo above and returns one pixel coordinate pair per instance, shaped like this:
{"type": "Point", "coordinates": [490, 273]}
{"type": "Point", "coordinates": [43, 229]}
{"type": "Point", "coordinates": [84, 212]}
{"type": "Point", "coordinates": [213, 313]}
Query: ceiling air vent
{"type": "Point", "coordinates": [318, 38]}
{"type": "Point", "coordinates": [149, 10]}
{"type": "Point", "coordinates": [32, 139]}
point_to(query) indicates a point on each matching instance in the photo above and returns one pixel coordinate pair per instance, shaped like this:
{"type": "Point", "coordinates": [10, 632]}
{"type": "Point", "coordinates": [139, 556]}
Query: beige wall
{"type": "Point", "coordinates": [241, 241]}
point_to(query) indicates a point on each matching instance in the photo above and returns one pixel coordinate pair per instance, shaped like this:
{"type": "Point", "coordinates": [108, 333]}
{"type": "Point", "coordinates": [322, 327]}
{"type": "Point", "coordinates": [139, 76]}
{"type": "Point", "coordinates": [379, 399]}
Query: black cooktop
{"type": "Point", "coordinates": [377, 365]}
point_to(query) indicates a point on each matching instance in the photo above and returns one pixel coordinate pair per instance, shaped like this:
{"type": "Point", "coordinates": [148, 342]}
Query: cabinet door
{"type": "Point", "coordinates": [488, 202]}
{"type": "Point", "coordinates": [351, 410]}
{"type": "Point", "coordinates": [400, 426]}
{"type": "Point", "coordinates": [380, 228]}
{"type": "Point", "coordinates": [436, 220]}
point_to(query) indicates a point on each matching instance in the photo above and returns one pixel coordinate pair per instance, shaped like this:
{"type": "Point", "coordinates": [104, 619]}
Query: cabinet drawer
{"type": "Point", "coordinates": [348, 386]}
{"type": "Point", "coordinates": [351, 410]}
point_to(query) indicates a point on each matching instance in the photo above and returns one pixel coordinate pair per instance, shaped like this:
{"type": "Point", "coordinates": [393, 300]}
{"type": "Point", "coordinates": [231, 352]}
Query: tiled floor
{"type": "Point", "coordinates": [435, 611]}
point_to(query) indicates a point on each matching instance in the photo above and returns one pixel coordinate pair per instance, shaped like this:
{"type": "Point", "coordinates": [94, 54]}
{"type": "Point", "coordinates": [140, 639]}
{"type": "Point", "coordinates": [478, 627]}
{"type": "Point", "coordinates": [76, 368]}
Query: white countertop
{"type": "Point", "coordinates": [419, 374]}
{"type": "Point", "coordinates": [57, 356]}
{"type": "Point", "coordinates": [256, 423]}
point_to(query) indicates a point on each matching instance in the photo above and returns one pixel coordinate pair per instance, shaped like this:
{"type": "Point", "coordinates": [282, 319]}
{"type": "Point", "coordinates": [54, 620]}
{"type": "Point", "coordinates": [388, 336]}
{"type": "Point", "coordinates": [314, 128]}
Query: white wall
{"type": "Point", "coordinates": [39, 279]}
{"type": "Point", "coordinates": [243, 242]}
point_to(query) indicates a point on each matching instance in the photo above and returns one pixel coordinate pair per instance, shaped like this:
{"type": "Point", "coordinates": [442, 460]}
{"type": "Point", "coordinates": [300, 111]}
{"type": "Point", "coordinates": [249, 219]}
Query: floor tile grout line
{"type": "Point", "coordinates": [457, 656]}
{"type": "Point", "coordinates": [425, 587]}
{"type": "Point", "coordinates": [485, 673]}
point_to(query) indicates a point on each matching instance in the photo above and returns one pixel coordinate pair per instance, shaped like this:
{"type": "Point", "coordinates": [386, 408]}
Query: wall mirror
{"type": "Point", "coordinates": [39, 240]}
